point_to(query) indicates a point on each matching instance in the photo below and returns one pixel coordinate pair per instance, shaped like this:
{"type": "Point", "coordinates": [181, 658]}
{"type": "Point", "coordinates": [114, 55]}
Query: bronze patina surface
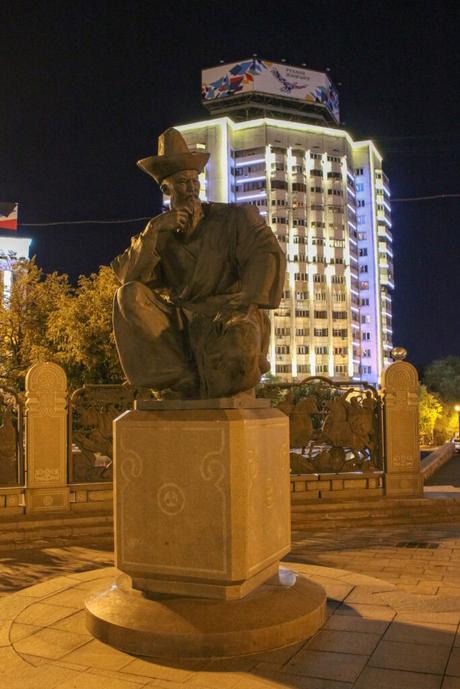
{"type": "Point", "coordinates": [189, 316]}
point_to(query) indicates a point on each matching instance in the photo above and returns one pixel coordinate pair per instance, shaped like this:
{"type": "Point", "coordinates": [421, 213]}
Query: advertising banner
{"type": "Point", "coordinates": [8, 215]}
{"type": "Point", "coordinates": [270, 78]}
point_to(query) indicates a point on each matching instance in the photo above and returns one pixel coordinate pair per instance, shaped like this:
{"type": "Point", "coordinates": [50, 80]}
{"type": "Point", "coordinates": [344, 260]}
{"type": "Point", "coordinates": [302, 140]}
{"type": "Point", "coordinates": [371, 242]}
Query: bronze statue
{"type": "Point", "coordinates": [189, 316]}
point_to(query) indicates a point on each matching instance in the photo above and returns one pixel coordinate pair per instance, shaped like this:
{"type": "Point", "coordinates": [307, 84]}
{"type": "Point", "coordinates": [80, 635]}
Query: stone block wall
{"type": "Point", "coordinates": [317, 487]}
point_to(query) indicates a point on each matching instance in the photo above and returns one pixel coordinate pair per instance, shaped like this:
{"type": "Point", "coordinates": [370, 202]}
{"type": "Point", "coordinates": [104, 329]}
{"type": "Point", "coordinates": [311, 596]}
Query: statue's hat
{"type": "Point", "coordinates": [173, 156]}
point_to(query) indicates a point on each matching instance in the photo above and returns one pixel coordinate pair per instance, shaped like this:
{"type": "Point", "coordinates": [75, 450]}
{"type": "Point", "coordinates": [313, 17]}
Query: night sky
{"type": "Point", "coordinates": [87, 87]}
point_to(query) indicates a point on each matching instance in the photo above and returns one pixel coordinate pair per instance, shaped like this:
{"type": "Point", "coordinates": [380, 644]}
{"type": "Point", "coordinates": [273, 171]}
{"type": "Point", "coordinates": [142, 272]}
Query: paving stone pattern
{"type": "Point", "coordinates": [393, 620]}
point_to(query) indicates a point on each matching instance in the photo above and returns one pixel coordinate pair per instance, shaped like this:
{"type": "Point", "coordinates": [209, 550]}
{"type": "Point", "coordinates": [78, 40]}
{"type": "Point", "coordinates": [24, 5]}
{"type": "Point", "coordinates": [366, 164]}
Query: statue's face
{"type": "Point", "coordinates": [183, 187]}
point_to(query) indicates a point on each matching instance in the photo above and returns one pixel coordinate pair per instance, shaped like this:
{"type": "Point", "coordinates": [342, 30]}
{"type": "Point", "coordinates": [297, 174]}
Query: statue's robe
{"type": "Point", "coordinates": [192, 306]}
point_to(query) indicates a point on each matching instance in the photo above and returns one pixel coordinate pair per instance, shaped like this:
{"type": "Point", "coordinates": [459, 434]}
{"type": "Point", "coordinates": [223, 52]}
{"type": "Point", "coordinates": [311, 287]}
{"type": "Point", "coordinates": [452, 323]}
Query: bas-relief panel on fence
{"type": "Point", "coordinates": [93, 409]}
{"type": "Point", "coordinates": [333, 427]}
{"type": "Point", "coordinates": [11, 438]}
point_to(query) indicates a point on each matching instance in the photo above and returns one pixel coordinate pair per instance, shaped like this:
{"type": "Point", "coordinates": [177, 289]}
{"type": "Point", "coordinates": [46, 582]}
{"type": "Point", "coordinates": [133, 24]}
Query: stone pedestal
{"type": "Point", "coordinates": [281, 612]}
{"type": "Point", "coordinates": [402, 446]}
{"type": "Point", "coordinates": [202, 518]}
{"type": "Point", "coordinates": [202, 499]}
{"type": "Point", "coordinates": [46, 432]}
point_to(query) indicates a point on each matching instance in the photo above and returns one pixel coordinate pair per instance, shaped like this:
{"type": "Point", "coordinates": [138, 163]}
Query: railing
{"type": "Point", "coordinates": [65, 456]}
{"type": "Point", "coordinates": [11, 438]}
{"type": "Point", "coordinates": [334, 427]}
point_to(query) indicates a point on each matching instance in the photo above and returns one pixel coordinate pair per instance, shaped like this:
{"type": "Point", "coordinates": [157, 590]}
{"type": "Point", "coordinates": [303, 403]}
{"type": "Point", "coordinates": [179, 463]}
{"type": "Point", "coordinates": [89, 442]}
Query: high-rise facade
{"type": "Point", "coordinates": [327, 200]}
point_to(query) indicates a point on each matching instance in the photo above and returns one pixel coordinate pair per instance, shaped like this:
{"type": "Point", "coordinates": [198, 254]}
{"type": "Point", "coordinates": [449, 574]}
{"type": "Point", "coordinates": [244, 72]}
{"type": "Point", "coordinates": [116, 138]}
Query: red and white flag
{"type": "Point", "coordinates": [8, 215]}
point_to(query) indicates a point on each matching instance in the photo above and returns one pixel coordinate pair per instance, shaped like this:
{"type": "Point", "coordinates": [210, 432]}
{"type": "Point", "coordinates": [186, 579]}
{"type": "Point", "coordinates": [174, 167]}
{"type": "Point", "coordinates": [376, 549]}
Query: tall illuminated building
{"type": "Point", "coordinates": [275, 142]}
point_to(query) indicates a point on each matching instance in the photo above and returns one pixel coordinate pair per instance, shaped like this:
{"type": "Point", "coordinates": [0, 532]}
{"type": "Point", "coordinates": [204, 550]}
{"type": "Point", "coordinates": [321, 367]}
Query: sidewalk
{"type": "Point", "coordinates": [394, 613]}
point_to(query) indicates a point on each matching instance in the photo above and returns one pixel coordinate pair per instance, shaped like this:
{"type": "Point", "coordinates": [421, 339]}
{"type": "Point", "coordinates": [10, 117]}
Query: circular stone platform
{"type": "Point", "coordinates": [285, 610]}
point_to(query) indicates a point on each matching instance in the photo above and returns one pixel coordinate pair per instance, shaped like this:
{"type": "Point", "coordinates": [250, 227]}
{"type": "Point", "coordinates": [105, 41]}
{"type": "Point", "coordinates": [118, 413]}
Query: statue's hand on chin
{"type": "Point", "coordinates": [173, 220]}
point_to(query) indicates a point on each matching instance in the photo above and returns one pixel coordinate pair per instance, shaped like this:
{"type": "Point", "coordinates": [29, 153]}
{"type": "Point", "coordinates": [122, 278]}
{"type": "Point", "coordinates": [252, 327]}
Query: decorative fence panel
{"type": "Point", "coordinates": [92, 410]}
{"type": "Point", "coordinates": [334, 427]}
{"type": "Point", "coordinates": [11, 438]}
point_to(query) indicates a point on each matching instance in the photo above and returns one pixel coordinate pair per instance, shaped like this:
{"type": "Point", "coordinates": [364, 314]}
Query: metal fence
{"type": "Point", "coordinates": [334, 427]}
{"type": "Point", "coordinates": [11, 438]}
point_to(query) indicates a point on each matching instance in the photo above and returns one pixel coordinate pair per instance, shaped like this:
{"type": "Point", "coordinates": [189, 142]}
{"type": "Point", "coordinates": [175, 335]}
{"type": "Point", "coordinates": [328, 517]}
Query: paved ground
{"type": "Point", "coordinates": [394, 616]}
{"type": "Point", "coordinates": [399, 629]}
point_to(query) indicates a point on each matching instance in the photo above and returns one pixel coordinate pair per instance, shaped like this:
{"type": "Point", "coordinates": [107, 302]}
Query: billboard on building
{"type": "Point", "coordinates": [271, 78]}
{"type": "Point", "coordinates": [8, 215]}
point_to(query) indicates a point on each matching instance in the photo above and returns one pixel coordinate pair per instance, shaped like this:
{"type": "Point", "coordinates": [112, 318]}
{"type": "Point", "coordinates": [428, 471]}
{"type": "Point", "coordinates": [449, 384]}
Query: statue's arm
{"type": "Point", "coordinates": [140, 260]}
{"type": "Point", "coordinates": [261, 261]}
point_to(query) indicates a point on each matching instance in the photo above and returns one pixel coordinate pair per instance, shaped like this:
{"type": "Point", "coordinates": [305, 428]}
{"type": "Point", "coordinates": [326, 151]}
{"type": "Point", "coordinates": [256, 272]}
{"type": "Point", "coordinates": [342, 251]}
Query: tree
{"type": "Point", "coordinates": [430, 410]}
{"type": "Point", "coordinates": [44, 318]}
{"type": "Point", "coordinates": [81, 331]}
{"type": "Point", "coordinates": [443, 377]}
{"type": "Point", "coordinates": [25, 309]}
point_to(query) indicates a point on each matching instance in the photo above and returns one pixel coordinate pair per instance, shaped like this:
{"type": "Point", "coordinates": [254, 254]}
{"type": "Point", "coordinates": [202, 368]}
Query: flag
{"type": "Point", "coordinates": [8, 216]}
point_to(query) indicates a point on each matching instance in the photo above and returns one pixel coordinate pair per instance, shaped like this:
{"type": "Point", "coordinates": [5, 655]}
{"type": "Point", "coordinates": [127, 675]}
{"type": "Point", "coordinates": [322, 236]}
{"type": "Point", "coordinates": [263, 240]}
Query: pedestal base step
{"type": "Point", "coordinates": [283, 611]}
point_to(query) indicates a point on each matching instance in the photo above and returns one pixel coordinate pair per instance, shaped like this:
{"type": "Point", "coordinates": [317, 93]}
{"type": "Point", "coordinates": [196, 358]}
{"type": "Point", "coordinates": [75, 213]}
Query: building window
{"type": "Point", "coordinates": [302, 349]}
{"type": "Point", "coordinates": [283, 368]}
{"type": "Point", "coordinates": [365, 302]}
{"type": "Point", "coordinates": [363, 252]}
{"type": "Point", "coordinates": [302, 313]}
{"type": "Point", "coordinates": [364, 268]}
{"type": "Point", "coordinates": [282, 349]}
{"type": "Point", "coordinates": [303, 368]}
{"type": "Point", "coordinates": [360, 203]}
{"type": "Point", "coordinates": [365, 336]}
{"type": "Point", "coordinates": [278, 184]}
{"type": "Point", "coordinates": [249, 152]}
{"type": "Point", "coordinates": [298, 186]}
{"type": "Point", "coordinates": [323, 349]}
{"type": "Point", "coordinates": [359, 171]}
{"type": "Point", "coordinates": [319, 278]}
{"type": "Point", "coordinates": [320, 332]}
{"type": "Point", "coordinates": [359, 186]}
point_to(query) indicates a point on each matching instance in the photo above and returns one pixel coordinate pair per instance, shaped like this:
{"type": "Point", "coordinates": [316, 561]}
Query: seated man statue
{"type": "Point", "coordinates": [189, 315]}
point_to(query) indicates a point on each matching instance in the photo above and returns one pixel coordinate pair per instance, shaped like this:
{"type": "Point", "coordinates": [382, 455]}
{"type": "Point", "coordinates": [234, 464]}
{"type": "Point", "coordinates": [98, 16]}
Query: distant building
{"type": "Point", "coordinates": [12, 247]}
{"type": "Point", "coordinates": [275, 143]}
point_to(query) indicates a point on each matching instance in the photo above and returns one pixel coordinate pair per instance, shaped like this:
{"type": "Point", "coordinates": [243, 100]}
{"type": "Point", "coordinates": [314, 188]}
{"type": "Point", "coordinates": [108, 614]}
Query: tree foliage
{"type": "Point", "coordinates": [44, 318]}
{"type": "Point", "coordinates": [430, 409]}
{"type": "Point", "coordinates": [81, 331]}
{"type": "Point", "coordinates": [443, 377]}
{"type": "Point", "coordinates": [24, 313]}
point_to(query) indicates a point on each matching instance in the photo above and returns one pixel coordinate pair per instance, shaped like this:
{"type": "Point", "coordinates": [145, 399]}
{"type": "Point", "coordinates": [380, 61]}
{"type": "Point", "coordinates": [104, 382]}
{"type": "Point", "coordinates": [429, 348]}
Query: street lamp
{"type": "Point", "coordinates": [457, 409]}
